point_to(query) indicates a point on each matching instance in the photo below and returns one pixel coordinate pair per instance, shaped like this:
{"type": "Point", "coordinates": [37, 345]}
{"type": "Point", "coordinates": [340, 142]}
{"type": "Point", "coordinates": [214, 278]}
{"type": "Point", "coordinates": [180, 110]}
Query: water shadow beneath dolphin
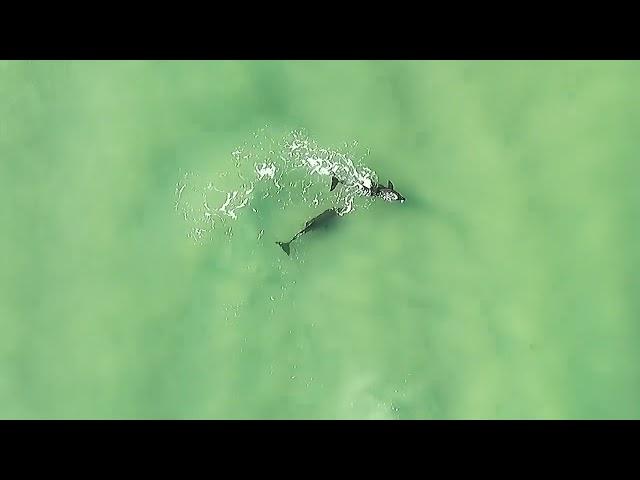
{"type": "Point", "coordinates": [389, 194]}
{"type": "Point", "coordinates": [439, 212]}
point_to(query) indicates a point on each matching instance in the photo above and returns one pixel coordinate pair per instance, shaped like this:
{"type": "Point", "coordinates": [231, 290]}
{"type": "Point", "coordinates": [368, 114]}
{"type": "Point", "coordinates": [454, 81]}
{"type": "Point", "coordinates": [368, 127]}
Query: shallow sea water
{"type": "Point", "coordinates": [141, 203]}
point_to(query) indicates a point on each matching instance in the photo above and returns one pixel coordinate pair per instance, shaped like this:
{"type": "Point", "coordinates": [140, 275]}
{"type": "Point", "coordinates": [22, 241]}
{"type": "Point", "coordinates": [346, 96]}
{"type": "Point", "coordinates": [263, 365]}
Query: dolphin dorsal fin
{"type": "Point", "coordinates": [391, 185]}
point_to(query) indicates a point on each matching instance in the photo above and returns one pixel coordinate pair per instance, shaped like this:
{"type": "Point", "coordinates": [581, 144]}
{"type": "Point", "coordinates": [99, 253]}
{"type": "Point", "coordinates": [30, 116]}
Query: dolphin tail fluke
{"type": "Point", "coordinates": [334, 182]}
{"type": "Point", "coordinates": [285, 247]}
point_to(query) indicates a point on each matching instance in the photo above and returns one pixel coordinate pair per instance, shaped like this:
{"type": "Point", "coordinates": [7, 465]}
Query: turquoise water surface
{"type": "Point", "coordinates": [137, 284]}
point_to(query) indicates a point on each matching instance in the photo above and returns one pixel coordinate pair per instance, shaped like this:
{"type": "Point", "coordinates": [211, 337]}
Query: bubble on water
{"type": "Point", "coordinates": [284, 170]}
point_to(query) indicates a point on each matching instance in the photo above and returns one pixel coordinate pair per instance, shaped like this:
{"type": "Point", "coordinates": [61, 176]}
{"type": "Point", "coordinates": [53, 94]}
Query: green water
{"type": "Point", "coordinates": [506, 286]}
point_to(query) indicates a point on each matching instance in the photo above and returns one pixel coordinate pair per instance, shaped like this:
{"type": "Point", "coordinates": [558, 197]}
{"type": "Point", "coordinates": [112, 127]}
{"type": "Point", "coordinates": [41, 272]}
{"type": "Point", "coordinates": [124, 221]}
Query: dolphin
{"type": "Point", "coordinates": [388, 193]}
{"type": "Point", "coordinates": [322, 220]}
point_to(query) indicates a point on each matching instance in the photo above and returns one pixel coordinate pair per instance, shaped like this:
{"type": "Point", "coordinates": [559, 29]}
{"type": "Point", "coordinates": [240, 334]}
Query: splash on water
{"type": "Point", "coordinates": [271, 172]}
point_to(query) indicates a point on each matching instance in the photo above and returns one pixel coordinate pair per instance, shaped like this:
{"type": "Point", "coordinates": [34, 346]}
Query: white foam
{"type": "Point", "coordinates": [270, 169]}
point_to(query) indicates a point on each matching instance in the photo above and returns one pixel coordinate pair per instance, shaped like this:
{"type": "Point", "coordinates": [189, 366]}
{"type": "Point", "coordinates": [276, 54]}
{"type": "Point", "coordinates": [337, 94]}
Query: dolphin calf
{"type": "Point", "coordinates": [388, 193]}
{"type": "Point", "coordinates": [321, 220]}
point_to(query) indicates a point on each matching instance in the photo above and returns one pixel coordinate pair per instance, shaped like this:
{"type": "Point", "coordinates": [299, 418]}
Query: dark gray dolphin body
{"type": "Point", "coordinates": [388, 193]}
{"type": "Point", "coordinates": [322, 220]}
